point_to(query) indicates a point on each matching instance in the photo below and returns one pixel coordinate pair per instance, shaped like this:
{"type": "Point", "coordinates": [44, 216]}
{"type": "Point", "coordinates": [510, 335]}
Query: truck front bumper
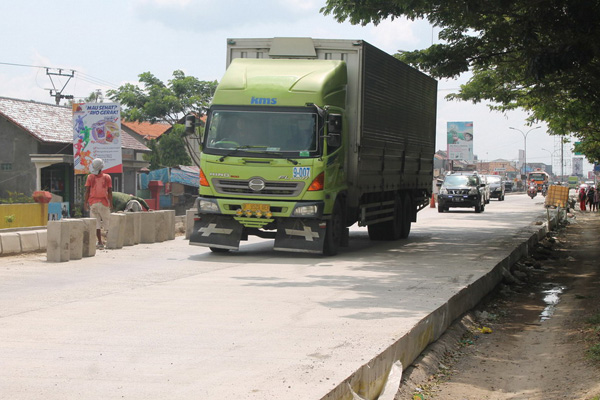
{"type": "Point", "coordinates": [225, 232]}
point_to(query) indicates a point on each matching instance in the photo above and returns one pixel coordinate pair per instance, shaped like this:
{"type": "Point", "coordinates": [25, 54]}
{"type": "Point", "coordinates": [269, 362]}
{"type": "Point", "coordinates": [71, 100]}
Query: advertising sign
{"type": "Point", "coordinates": [97, 134]}
{"type": "Point", "coordinates": [460, 140]}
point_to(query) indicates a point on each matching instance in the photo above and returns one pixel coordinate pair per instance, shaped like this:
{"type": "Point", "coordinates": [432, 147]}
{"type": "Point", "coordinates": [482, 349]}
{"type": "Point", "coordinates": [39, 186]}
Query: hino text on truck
{"type": "Point", "coordinates": [305, 137]}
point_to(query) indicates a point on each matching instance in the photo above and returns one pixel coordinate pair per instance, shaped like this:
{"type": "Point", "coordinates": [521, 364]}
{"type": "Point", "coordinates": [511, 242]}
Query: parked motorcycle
{"type": "Point", "coordinates": [532, 191]}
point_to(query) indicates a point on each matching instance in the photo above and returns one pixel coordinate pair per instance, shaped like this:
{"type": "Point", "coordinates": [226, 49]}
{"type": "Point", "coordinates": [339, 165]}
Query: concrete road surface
{"type": "Point", "coordinates": [174, 321]}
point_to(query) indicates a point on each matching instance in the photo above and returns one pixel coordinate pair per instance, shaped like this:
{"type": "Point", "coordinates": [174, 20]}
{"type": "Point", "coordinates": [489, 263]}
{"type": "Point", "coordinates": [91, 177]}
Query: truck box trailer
{"type": "Point", "coordinates": [306, 137]}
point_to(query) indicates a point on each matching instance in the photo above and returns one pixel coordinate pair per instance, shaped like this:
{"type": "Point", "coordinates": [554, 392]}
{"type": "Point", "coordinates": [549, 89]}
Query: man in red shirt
{"type": "Point", "coordinates": [98, 197]}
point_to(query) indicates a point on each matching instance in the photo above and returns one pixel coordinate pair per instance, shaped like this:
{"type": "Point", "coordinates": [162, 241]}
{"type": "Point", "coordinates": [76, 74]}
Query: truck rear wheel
{"type": "Point", "coordinates": [334, 231]}
{"type": "Point", "coordinates": [406, 218]}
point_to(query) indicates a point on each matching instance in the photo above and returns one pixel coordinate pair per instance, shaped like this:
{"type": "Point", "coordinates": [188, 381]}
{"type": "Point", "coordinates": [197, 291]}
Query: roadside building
{"type": "Point", "coordinates": [36, 152]}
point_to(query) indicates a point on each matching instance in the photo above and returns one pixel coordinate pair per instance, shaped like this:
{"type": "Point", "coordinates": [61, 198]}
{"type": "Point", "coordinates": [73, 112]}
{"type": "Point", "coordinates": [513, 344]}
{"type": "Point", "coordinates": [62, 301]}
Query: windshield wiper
{"type": "Point", "coordinates": [246, 147]}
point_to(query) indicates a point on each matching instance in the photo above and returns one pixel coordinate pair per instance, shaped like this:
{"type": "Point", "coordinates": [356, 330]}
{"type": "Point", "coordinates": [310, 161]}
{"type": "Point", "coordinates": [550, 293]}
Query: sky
{"type": "Point", "coordinates": [110, 42]}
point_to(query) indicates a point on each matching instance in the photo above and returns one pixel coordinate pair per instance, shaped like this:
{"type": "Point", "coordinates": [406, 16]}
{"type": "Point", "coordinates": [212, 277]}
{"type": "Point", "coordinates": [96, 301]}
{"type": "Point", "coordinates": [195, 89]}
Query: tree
{"type": "Point", "coordinates": [538, 55]}
{"type": "Point", "coordinates": [155, 102]}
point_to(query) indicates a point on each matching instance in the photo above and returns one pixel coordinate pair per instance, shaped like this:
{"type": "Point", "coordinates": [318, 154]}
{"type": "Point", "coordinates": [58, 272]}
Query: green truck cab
{"type": "Point", "coordinates": [285, 154]}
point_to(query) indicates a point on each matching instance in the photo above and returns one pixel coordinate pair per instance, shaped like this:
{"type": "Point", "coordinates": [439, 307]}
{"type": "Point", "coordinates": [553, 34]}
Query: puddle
{"type": "Point", "coordinates": [551, 298]}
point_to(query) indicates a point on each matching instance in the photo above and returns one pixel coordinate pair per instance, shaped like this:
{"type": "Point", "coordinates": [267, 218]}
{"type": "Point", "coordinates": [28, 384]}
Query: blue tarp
{"type": "Point", "coordinates": [189, 176]}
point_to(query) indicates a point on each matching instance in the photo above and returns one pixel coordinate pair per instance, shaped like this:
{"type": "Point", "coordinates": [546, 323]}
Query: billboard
{"type": "Point", "coordinates": [460, 140]}
{"type": "Point", "coordinates": [97, 134]}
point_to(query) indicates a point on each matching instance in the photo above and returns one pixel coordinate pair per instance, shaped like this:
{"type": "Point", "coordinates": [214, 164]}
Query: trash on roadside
{"type": "Point", "coordinates": [485, 329]}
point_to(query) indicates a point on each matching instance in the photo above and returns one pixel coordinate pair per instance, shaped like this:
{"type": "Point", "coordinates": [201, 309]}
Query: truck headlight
{"type": "Point", "coordinates": [473, 191]}
{"type": "Point", "coordinates": [306, 211]}
{"type": "Point", "coordinates": [207, 206]}
{"type": "Point", "coordinates": [443, 190]}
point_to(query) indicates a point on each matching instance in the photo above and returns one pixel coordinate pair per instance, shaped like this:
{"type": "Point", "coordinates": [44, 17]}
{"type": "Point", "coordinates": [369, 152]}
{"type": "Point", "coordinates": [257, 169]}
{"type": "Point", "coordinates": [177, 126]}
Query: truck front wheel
{"type": "Point", "coordinates": [334, 231]}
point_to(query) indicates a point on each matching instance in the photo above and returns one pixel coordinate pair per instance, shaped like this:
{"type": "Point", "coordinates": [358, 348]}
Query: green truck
{"type": "Point", "coordinates": [306, 137]}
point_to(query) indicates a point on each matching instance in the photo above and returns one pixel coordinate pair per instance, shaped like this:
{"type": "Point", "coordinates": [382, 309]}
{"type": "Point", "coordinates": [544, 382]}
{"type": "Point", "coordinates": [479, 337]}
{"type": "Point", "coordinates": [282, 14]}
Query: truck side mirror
{"type": "Point", "coordinates": [334, 130]}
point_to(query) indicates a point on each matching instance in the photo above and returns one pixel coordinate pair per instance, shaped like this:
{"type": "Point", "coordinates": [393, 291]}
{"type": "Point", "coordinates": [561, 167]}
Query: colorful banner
{"type": "Point", "coordinates": [460, 140]}
{"type": "Point", "coordinates": [97, 134]}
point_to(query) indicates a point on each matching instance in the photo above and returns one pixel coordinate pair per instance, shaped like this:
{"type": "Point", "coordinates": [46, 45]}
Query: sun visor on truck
{"type": "Point", "coordinates": [283, 47]}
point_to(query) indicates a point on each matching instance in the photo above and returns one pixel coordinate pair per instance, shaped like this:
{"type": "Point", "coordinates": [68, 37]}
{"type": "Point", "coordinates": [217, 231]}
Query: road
{"type": "Point", "coordinates": [169, 320]}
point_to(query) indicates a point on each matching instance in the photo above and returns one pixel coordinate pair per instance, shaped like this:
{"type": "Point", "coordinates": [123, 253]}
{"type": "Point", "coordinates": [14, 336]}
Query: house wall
{"type": "Point", "coordinates": [15, 147]}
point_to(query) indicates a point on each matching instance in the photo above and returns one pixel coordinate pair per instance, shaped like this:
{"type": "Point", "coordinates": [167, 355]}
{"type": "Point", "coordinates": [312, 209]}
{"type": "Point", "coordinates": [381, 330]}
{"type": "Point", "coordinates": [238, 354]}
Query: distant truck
{"type": "Point", "coordinates": [305, 137]}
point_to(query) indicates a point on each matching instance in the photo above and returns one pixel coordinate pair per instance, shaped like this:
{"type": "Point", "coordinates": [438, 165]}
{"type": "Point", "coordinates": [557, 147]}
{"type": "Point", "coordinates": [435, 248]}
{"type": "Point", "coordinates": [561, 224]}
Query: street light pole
{"type": "Point", "coordinates": [525, 146]}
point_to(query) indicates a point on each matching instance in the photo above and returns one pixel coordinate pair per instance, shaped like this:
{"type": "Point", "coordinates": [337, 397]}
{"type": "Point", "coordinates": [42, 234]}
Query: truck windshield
{"type": "Point", "coordinates": [262, 131]}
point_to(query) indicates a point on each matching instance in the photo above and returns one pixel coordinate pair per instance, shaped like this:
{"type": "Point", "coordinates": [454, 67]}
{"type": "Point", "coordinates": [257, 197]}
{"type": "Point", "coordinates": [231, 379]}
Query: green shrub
{"type": "Point", "coordinates": [16, 197]}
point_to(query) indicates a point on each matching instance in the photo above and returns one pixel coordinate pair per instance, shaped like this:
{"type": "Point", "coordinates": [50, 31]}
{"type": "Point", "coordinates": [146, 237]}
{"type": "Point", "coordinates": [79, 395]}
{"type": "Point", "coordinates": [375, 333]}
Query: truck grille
{"type": "Point", "coordinates": [230, 186]}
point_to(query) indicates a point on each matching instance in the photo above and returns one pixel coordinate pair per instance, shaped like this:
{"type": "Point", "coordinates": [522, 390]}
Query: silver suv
{"type": "Point", "coordinates": [462, 189]}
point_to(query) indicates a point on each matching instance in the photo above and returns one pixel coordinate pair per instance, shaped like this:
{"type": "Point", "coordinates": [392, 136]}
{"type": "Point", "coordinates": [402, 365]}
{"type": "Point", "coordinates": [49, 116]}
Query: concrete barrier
{"type": "Point", "coordinates": [89, 237]}
{"type": "Point", "coordinates": [11, 243]}
{"type": "Point", "coordinates": [170, 224]}
{"type": "Point", "coordinates": [128, 236]}
{"type": "Point", "coordinates": [58, 242]}
{"type": "Point", "coordinates": [115, 236]}
{"type": "Point", "coordinates": [148, 233]}
{"type": "Point", "coordinates": [137, 227]}
{"type": "Point", "coordinates": [42, 235]}
{"type": "Point", "coordinates": [161, 226]}
{"type": "Point", "coordinates": [76, 230]}
{"type": "Point", "coordinates": [29, 241]}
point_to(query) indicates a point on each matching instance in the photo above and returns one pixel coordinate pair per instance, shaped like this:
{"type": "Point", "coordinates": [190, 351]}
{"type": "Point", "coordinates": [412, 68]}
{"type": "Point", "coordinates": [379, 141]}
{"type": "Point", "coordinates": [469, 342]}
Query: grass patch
{"type": "Point", "coordinates": [593, 320]}
{"type": "Point", "coordinates": [593, 353]}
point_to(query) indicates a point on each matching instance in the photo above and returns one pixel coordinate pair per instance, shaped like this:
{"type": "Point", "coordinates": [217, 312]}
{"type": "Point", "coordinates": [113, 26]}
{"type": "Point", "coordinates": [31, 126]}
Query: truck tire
{"type": "Point", "coordinates": [406, 217]}
{"type": "Point", "coordinates": [334, 231]}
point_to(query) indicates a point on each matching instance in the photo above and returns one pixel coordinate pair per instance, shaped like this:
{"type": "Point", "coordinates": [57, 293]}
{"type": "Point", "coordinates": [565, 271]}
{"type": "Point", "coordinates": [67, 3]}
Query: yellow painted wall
{"type": "Point", "coordinates": [32, 214]}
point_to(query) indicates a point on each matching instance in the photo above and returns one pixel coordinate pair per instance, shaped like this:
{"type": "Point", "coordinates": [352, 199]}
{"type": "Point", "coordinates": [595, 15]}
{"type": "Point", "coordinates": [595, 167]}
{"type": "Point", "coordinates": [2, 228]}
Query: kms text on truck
{"type": "Point", "coordinates": [305, 137]}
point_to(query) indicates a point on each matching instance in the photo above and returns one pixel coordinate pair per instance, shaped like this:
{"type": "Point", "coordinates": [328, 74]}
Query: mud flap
{"type": "Point", "coordinates": [300, 235]}
{"type": "Point", "coordinates": [217, 231]}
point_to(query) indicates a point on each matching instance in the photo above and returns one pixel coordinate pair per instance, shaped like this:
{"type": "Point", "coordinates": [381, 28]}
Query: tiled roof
{"type": "Point", "coordinates": [50, 123]}
{"type": "Point", "coordinates": [146, 129]}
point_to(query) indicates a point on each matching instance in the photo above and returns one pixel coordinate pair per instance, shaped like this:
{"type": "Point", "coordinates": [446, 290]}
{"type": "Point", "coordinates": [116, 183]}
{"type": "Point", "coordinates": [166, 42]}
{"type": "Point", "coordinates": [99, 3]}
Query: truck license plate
{"type": "Point", "coordinates": [256, 207]}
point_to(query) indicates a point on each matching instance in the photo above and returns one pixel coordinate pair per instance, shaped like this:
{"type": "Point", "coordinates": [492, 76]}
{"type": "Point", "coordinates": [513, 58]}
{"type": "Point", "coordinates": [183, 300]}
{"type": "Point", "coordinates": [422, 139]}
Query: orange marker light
{"type": "Point", "coordinates": [318, 183]}
{"type": "Point", "coordinates": [203, 180]}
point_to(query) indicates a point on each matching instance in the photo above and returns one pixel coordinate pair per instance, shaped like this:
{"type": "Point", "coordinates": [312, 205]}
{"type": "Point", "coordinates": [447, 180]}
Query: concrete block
{"type": "Point", "coordinates": [29, 241]}
{"type": "Point", "coordinates": [161, 226]}
{"type": "Point", "coordinates": [76, 230]}
{"type": "Point", "coordinates": [128, 236]}
{"type": "Point", "coordinates": [42, 235]}
{"type": "Point", "coordinates": [148, 231]}
{"type": "Point", "coordinates": [170, 225]}
{"type": "Point", "coordinates": [89, 237]}
{"type": "Point", "coordinates": [11, 243]}
{"type": "Point", "coordinates": [137, 227]}
{"type": "Point", "coordinates": [189, 222]}
{"type": "Point", "coordinates": [114, 237]}
{"type": "Point", "coordinates": [59, 243]}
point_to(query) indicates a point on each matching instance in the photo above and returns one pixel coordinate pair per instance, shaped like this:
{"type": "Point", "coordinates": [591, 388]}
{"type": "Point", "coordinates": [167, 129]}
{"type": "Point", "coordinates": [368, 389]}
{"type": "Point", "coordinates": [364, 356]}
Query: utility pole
{"type": "Point", "coordinates": [58, 93]}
